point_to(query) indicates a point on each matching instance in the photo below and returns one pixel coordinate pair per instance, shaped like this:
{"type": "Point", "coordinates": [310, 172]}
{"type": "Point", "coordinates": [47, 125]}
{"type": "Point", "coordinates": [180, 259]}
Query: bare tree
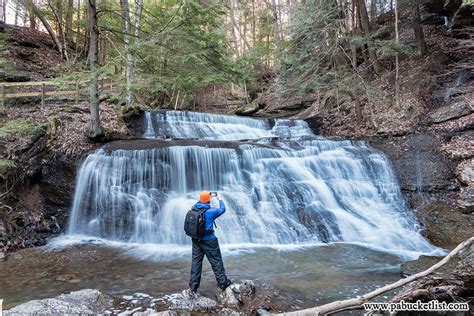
{"type": "Point", "coordinates": [69, 15]}
{"type": "Point", "coordinates": [3, 11]}
{"type": "Point", "coordinates": [37, 12]}
{"type": "Point", "coordinates": [364, 20]}
{"type": "Point", "coordinates": [78, 30]}
{"type": "Point", "coordinates": [397, 67]}
{"type": "Point", "coordinates": [276, 21]}
{"type": "Point", "coordinates": [129, 58]}
{"type": "Point", "coordinates": [232, 26]}
{"type": "Point", "coordinates": [31, 16]}
{"type": "Point", "coordinates": [95, 129]}
{"type": "Point", "coordinates": [419, 35]}
{"type": "Point", "coordinates": [373, 9]}
{"type": "Point", "coordinates": [17, 12]}
{"type": "Point", "coordinates": [57, 11]}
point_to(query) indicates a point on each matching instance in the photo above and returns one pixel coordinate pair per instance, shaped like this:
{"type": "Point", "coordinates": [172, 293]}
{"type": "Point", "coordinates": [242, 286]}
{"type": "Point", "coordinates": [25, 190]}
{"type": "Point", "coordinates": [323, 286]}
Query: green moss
{"type": "Point", "coordinates": [9, 73]}
{"type": "Point", "coordinates": [24, 128]}
{"type": "Point", "coordinates": [6, 164]}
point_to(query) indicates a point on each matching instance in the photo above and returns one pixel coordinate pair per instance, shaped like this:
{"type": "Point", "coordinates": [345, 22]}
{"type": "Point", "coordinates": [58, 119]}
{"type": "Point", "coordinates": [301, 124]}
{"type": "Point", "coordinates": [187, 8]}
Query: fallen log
{"type": "Point", "coordinates": [357, 302]}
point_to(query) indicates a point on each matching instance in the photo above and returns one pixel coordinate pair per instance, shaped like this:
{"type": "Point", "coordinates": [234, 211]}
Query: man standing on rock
{"type": "Point", "coordinates": [199, 225]}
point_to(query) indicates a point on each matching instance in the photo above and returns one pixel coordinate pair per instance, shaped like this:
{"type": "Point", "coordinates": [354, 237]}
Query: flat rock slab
{"type": "Point", "coordinates": [80, 302]}
{"type": "Point", "coordinates": [452, 111]}
{"type": "Point", "coordinates": [425, 262]}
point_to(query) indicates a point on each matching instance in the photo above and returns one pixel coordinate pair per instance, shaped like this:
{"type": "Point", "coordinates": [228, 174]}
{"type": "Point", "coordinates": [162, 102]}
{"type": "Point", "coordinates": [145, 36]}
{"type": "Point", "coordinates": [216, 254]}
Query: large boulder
{"type": "Point", "coordinates": [464, 17]}
{"type": "Point", "coordinates": [452, 111]}
{"type": "Point", "coordinates": [443, 7]}
{"type": "Point", "coordinates": [180, 302]}
{"type": "Point", "coordinates": [248, 109]}
{"type": "Point", "coordinates": [80, 302]}
{"type": "Point", "coordinates": [444, 226]}
{"type": "Point", "coordinates": [238, 295]}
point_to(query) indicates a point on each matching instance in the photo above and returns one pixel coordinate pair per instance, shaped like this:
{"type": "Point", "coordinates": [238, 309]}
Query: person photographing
{"type": "Point", "coordinates": [199, 225]}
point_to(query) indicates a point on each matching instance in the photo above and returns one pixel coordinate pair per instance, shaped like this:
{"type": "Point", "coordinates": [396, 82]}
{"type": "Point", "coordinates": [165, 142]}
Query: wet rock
{"type": "Point", "coordinates": [248, 109]}
{"type": "Point", "coordinates": [465, 269]}
{"type": "Point", "coordinates": [465, 172]}
{"type": "Point", "coordinates": [238, 295]}
{"type": "Point", "coordinates": [228, 297]}
{"type": "Point", "coordinates": [444, 226]}
{"type": "Point", "coordinates": [466, 199]}
{"type": "Point", "coordinates": [463, 18]}
{"type": "Point", "coordinates": [180, 302]}
{"type": "Point", "coordinates": [424, 262]}
{"type": "Point", "coordinates": [424, 170]}
{"type": "Point", "coordinates": [3, 256]}
{"type": "Point", "coordinates": [80, 302]}
{"type": "Point", "coordinates": [452, 111]}
{"type": "Point", "coordinates": [444, 7]}
{"type": "Point", "coordinates": [433, 287]}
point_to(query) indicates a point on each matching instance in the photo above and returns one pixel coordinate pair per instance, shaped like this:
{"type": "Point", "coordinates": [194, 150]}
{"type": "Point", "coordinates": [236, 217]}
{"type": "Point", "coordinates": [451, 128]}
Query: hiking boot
{"type": "Point", "coordinates": [227, 284]}
{"type": "Point", "coordinates": [189, 294]}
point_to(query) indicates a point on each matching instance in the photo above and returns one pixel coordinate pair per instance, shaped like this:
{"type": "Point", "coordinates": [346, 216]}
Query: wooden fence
{"type": "Point", "coordinates": [46, 89]}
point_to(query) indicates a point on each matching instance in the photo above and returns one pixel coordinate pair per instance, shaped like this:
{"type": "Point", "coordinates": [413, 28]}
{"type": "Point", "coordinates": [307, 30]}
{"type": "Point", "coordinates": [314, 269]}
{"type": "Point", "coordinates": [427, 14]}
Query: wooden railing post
{"type": "Point", "coordinates": [2, 98]}
{"type": "Point", "coordinates": [43, 94]}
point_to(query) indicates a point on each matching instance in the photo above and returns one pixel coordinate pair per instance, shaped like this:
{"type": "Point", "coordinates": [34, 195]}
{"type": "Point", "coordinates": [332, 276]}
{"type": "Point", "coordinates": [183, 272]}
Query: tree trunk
{"type": "Point", "coordinates": [338, 306]}
{"type": "Point", "coordinates": [17, 11]}
{"type": "Point", "coordinates": [58, 13]}
{"type": "Point", "coordinates": [136, 39]}
{"type": "Point", "coordinates": [373, 10]}
{"type": "Point", "coordinates": [129, 59]}
{"type": "Point", "coordinates": [95, 129]}
{"type": "Point", "coordinates": [232, 28]}
{"type": "Point", "coordinates": [397, 79]}
{"type": "Point", "coordinates": [364, 19]}
{"type": "Point", "coordinates": [254, 33]}
{"type": "Point", "coordinates": [3, 5]}
{"type": "Point", "coordinates": [418, 28]}
{"type": "Point", "coordinates": [69, 15]}
{"type": "Point", "coordinates": [78, 30]}
{"type": "Point", "coordinates": [36, 12]}
{"type": "Point", "coordinates": [31, 16]}
{"type": "Point", "coordinates": [276, 21]}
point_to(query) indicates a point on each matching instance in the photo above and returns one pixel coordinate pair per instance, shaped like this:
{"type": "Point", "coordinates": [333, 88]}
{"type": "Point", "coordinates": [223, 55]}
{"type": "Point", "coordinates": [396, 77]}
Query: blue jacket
{"type": "Point", "coordinates": [211, 214]}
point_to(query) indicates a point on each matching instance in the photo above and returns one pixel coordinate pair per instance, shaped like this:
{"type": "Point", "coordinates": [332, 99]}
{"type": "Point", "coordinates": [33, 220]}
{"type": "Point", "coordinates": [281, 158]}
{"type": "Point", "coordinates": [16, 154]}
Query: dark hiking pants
{"type": "Point", "coordinates": [211, 249]}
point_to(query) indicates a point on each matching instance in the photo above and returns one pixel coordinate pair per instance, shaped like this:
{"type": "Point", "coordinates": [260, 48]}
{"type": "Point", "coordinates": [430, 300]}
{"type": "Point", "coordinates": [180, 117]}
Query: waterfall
{"type": "Point", "coordinates": [282, 185]}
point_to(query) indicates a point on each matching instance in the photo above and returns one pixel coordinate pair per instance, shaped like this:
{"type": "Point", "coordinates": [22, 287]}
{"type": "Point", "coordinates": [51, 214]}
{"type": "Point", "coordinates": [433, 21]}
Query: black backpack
{"type": "Point", "coordinates": [195, 224]}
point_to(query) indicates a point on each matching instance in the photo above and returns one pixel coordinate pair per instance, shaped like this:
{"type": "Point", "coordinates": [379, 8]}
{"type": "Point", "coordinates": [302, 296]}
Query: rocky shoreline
{"type": "Point", "coordinates": [240, 298]}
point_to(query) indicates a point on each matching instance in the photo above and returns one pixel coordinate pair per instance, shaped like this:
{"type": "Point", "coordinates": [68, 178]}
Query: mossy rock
{"type": "Point", "coordinates": [9, 73]}
{"type": "Point", "coordinates": [108, 135]}
{"type": "Point", "coordinates": [127, 113]}
{"type": "Point", "coordinates": [25, 128]}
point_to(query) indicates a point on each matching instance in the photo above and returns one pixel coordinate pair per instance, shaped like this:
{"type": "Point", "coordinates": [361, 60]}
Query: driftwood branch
{"type": "Point", "coordinates": [357, 302]}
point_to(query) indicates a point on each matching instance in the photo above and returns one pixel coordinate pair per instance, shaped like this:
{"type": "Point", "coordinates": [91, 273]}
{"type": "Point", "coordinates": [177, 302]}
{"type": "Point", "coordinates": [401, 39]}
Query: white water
{"type": "Point", "coordinates": [289, 188]}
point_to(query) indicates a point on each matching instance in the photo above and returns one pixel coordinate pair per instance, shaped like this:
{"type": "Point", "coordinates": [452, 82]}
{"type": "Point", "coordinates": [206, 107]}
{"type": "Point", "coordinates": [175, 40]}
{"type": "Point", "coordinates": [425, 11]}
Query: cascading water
{"type": "Point", "coordinates": [282, 186]}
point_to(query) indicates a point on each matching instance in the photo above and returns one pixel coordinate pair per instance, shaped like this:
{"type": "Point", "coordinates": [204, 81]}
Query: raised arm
{"type": "Point", "coordinates": [216, 212]}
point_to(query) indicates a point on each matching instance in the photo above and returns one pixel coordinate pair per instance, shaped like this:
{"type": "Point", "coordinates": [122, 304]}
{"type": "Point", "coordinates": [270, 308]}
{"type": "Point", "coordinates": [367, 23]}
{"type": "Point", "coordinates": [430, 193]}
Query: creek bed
{"type": "Point", "coordinates": [301, 277]}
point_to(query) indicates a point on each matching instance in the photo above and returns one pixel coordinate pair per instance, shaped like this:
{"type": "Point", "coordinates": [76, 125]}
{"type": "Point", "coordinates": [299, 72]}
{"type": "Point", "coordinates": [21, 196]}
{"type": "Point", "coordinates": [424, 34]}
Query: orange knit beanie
{"type": "Point", "coordinates": [205, 197]}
